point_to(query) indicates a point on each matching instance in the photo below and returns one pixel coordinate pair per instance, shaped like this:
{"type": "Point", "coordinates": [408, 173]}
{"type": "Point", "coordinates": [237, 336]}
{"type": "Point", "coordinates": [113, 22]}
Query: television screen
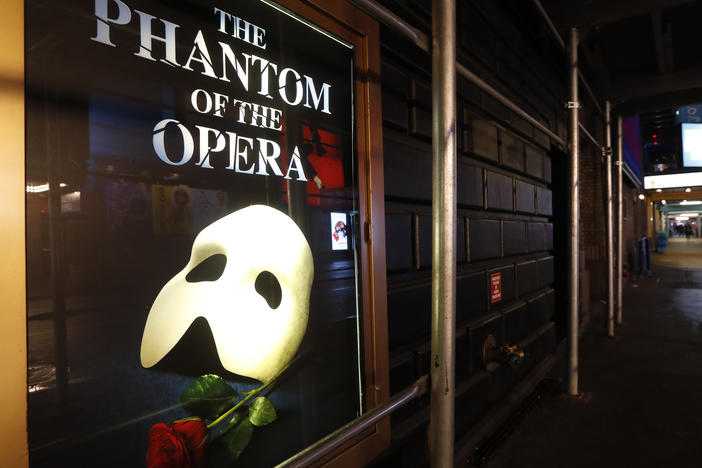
{"type": "Point", "coordinates": [692, 144]}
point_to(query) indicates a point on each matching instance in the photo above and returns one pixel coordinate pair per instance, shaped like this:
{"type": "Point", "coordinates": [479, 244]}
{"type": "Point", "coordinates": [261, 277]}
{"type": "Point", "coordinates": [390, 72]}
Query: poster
{"type": "Point", "coordinates": [210, 305]}
{"type": "Point", "coordinates": [339, 234]}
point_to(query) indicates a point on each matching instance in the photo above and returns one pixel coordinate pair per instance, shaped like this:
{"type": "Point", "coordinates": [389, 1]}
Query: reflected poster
{"type": "Point", "coordinates": [184, 305]}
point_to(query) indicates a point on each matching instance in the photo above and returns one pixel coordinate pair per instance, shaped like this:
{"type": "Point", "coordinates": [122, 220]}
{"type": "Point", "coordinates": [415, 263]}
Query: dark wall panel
{"type": "Point", "coordinates": [469, 190]}
{"type": "Point", "coordinates": [512, 150]}
{"type": "Point", "coordinates": [398, 237]}
{"type": "Point", "coordinates": [534, 161]}
{"type": "Point", "coordinates": [545, 272]}
{"type": "Point", "coordinates": [527, 277]}
{"type": "Point", "coordinates": [462, 354]}
{"type": "Point", "coordinates": [515, 318]}
{"type": "Point", "coordinates": [420, 122]}
{"type": "Point", "coordinates": [460, 240]}
{"type": "Point", "coordinates": [514, 238]}
{"type": "Point", "coordinates": [485, 141]}
{"type": "Point", "coordinates": [524, 195]}
{"type": "Point", "coordinates": [547, 169]}
{"type": "Point", "coordinates": [499, 191]}
{"type": "Point", "coordinates": [484, 238]}
{"type": "Point", "coordinates": [543, 201]}
{"type": "Point", "coordinates": [409, 312]}
{"type": "Point", "coordinates": [402, 371]}
{"type": "Point", "coordinates": [420, 93]}
{"type": "Point", "coordinates": [471, 299]}
{"type": "Point", "coordinates": [424, 232]}
{"type": "Point", "coordinates": [536, 237]}
{"type": "Point", "coordinates": [407, 170]}
{"type": "Point", "coordinates": [394, 87]}
{"type": "Point", "coordinates": [540, 310]}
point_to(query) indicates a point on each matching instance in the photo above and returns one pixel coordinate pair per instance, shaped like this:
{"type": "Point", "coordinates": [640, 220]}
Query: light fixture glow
{"type": "Point", "coordinates": [688, 190]}
{"type": "Point", "coordinates": [663, 202]}
{"type": "Point", "coordinates": [691, 202]}
{"type": "Point", "coordinates": [681, 218]}
{"type": "Point", "coordinates": [37, 188]}
{"type": "Point", "coordinates": [40, 188]}
{"type": "Point", "coordinates": [682, 180]}
{"type": "Point", "coordinates": [641, 196]}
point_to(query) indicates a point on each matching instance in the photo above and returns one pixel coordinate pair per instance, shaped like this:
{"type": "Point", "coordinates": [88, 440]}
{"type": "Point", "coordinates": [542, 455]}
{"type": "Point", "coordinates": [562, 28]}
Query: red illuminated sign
{"type": "Point", "coordinates": [496, 287]}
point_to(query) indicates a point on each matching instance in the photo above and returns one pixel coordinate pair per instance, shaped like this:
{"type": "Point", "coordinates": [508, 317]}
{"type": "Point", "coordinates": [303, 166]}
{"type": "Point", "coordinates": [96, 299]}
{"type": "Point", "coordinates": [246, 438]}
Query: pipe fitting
{"type": "Point", "coordinates": [512, 355]}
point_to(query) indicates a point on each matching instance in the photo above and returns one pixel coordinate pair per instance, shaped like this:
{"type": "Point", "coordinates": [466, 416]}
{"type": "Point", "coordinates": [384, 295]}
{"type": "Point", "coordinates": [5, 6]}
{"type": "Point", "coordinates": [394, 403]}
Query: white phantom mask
{"type": "Point", "coordinates": [252, 338]}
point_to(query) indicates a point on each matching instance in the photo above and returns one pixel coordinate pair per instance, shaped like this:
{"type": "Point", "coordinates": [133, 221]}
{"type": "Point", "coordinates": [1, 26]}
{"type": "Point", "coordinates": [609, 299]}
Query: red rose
{"type": "Point", "coordinates": [180, 445]}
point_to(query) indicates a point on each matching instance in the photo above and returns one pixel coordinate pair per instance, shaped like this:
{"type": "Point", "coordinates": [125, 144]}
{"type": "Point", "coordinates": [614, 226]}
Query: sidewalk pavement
{"type": "Point", "coordinates": [643, 405]}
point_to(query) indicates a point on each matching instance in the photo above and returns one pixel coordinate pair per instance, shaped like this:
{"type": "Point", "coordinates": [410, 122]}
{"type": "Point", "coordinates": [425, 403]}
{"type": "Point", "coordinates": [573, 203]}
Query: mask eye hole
{"type": "Point", "coordinates": [267, 285]}
{"type": "Point", "coordinates": [210, 269]}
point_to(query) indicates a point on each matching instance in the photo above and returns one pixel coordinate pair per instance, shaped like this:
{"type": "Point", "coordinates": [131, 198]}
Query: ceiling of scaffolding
{"type": "Point", "coordinates": [644, 54]}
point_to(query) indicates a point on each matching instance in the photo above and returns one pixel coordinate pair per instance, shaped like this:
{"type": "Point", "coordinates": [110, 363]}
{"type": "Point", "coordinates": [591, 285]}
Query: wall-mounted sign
{"type": "Point", "coordinates": [339, 234]}
{"type": "Point", "coordinates": [209, 143]}
{"type": "Point", "coordinates": [495, 287]}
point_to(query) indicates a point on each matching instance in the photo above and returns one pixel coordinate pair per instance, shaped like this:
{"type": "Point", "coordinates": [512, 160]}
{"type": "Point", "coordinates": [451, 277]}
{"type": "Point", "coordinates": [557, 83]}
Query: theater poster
{"type": "Point", "coordinates": [189, 308]}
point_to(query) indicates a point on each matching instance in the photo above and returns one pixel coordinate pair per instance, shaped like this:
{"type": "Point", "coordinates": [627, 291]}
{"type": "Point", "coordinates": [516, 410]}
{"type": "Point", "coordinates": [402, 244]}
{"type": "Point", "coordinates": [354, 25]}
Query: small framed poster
{"type": "Point", "coordinates": [339, 235]}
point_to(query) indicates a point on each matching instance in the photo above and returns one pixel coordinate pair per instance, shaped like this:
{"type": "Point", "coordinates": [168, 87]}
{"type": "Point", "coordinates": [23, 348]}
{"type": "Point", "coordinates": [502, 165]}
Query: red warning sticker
{"type": "Point", "coordinates": [496, 287]}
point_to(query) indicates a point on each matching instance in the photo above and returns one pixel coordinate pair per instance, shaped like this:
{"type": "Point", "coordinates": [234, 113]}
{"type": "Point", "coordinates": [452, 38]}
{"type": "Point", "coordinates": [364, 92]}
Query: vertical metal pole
{"type": "Point", "coordinates": [610, 219]}
{"type": "Point", "coordinates": [620, 240]}
{"type": "Point", "coordinates": [574, 248]}
{"type": "Point", "coordinates": [443, 307]}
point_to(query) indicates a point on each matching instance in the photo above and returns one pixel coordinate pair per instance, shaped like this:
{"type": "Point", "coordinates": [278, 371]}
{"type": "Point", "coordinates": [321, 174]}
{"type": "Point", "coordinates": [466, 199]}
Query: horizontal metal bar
{"type": "Point", "coordinates": [480, 83]}
{"type": "Point", "coordinates": [590, 92]}
{"type": "Point", "coordinates": [393, 21]}
{"type": "Point", "coordinates": [549, 23]}
{"type": "Point", "coordinates": [587, 134]}
{"type": "Point", "coordinates": [337, 438]}
{"type": "Point", "coordinates": [559, 39]}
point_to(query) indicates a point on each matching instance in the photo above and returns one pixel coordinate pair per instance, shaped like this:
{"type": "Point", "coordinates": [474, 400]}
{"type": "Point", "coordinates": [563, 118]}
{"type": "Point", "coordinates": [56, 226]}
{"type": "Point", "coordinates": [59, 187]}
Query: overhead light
{"type": "Point", "coordinates": [37, 188]}
{"type": "Point", "coordinates": [681, 218]}
{"type": "Point", "coordinates": [641, 196]}
{"type": "Point", "coordinates": [691, 202]}
{"type": "Point", "coordinates": [688, 190]}
{"type": "Point", "coordinates": [689, 215]}
{"type": "Point", "coordinates": [40, 188]}
{"type": "Point", "coordinates": [663, 202]}
{"type": "Point", "coordinates": [659, 190]}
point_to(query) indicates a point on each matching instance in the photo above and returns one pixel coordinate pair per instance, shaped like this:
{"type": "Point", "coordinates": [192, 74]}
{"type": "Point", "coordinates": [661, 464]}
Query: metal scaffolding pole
{"type": "Point", "coordinates": [620, 167]}
{"type": "Point", "coordinates": [558, 38]}
{"type": "Point", "coordinates": [610, 219]}
{"type": "Point", "coordinates": [573, 248]}
{"type": "Point", "coordinates": [443, 281]}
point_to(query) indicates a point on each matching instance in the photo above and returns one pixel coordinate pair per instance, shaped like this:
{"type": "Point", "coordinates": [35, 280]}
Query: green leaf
{"type": "Point", "coordinates": [208, 396]}
{"type": "Point", "coordinates": [235, 438]}
{"type": "Point", "coordinates": [262, 412]}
